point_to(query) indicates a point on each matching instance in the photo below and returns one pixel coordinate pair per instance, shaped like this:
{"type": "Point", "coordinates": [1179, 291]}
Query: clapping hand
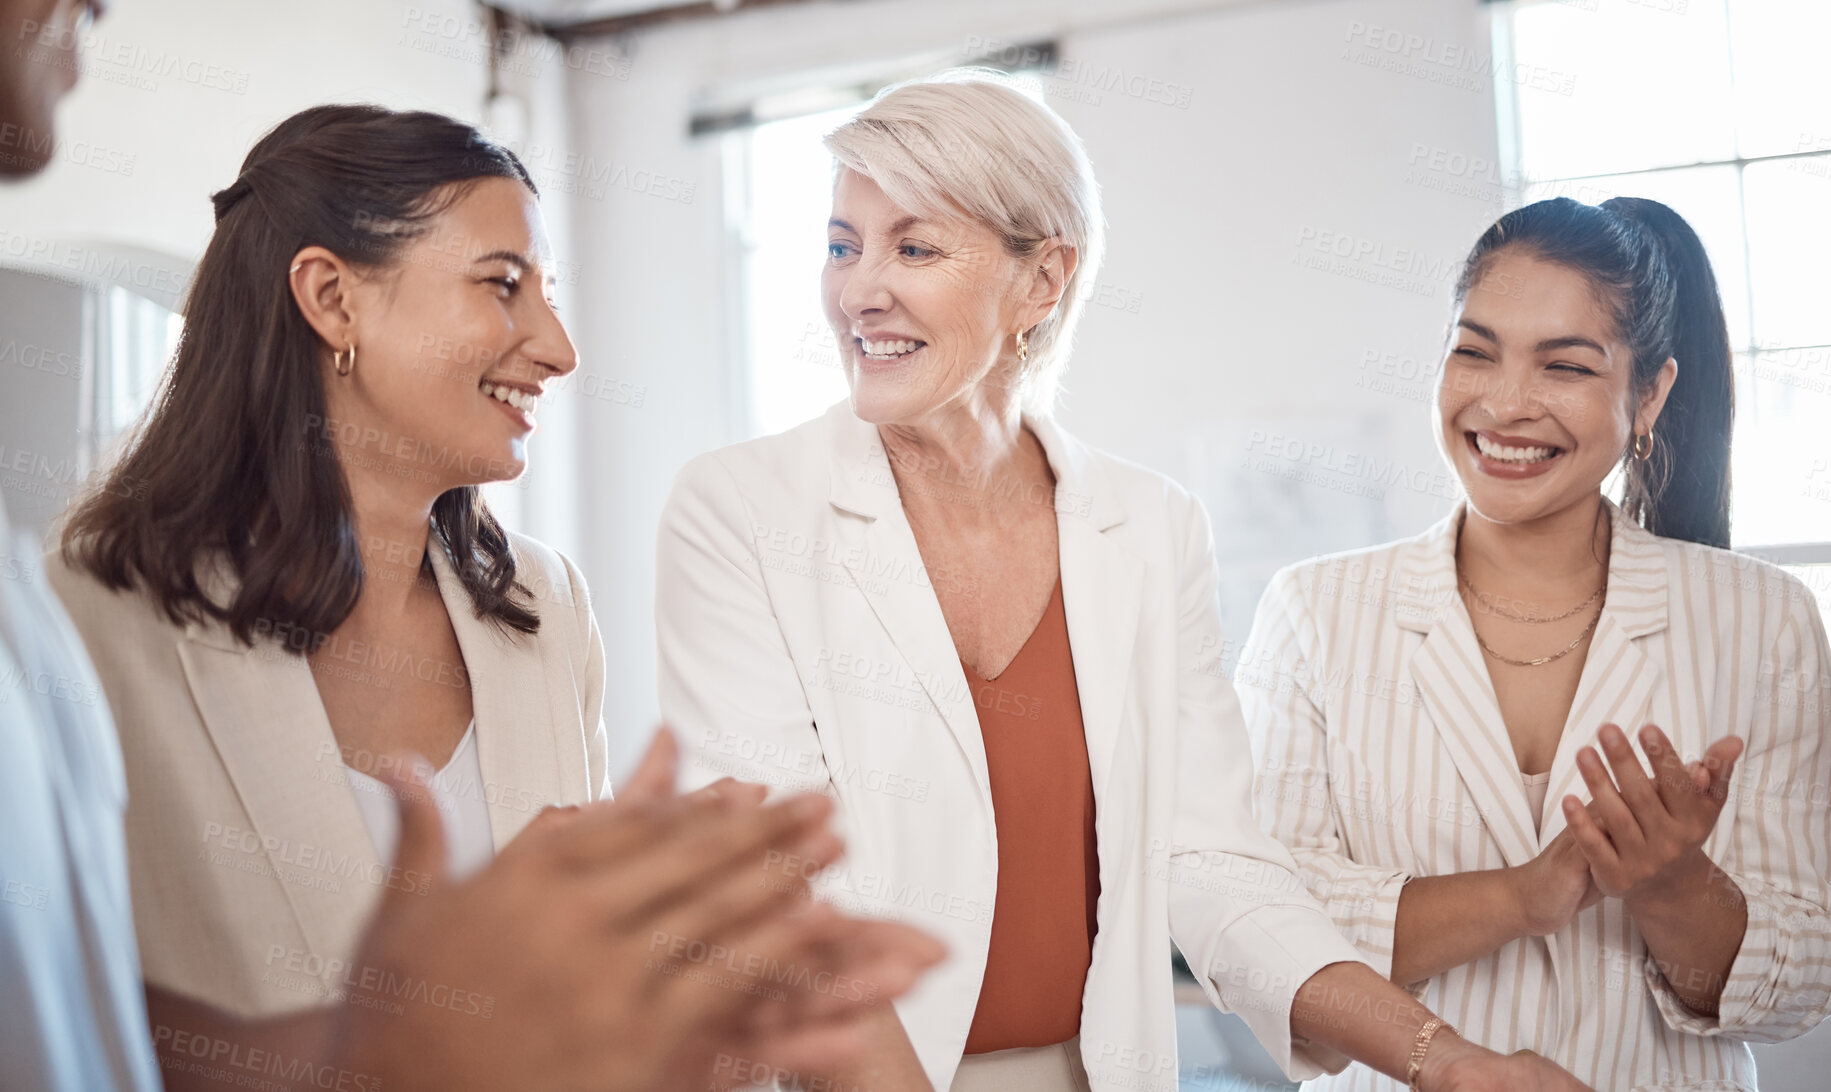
{"type": "Point", "coordinates": [1554, 887]}
{"type": "Point", "coordinates": [1643, 837]}
{"type": "Point", "coordinates": [589, 944]}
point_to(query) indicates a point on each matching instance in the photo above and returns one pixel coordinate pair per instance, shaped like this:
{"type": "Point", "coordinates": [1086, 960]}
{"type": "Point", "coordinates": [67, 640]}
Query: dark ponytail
{"type": "Point", "coordinates": [1682, 490]}
{"type": "Point", "coordinates": [1650, 266]}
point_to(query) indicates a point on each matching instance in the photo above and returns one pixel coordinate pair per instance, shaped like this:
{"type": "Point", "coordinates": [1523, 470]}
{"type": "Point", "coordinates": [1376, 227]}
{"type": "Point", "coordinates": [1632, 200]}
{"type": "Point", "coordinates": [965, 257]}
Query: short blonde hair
{"type": "Point", "coordinates": [965, 142]}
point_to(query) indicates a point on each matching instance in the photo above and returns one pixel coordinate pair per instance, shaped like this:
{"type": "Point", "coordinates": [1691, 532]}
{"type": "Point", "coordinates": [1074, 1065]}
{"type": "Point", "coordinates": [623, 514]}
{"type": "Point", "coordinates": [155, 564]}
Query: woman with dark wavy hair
{"type": "Point", "coordinates": [291, 571]}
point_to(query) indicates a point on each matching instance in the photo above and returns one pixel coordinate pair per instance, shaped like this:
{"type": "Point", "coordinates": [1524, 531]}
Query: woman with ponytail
{"type": "Point", "coordinates": [1443, 724]}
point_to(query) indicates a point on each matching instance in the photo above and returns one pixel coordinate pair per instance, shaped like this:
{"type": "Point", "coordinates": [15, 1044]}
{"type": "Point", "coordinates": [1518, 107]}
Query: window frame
{"type": "Point", "coordinates": [1516, 183]}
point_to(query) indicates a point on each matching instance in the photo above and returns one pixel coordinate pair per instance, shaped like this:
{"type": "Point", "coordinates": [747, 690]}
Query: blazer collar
{"type": "Point", "coordinates": [1453, 682]}
{"type": "Point", "coordinates": [1102, 587]}
{"type": "Point", "coordinates": [514, 695]}
{"type": "Point", "coordinates": [861, 480]}
{"type": "Point", "coordinates": [262, 710]}
{"type": "Point", "coordinates": [1424, 591]}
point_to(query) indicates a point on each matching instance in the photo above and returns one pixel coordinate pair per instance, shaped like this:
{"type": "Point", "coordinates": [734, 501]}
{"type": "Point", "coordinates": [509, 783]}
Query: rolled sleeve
{"type": "Point", "coordinates": [1776, 988]}
{"type": "Point", "coordinates": [1777, 849]}
{"type": "Point", "coordinates": [1363, 904]}
{"type": "Point", "coordinates": [1253, 966]}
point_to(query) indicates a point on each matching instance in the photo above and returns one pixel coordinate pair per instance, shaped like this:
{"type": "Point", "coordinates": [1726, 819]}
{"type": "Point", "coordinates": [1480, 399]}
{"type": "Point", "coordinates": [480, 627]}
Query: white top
{"type": "Point", "coordinates": [69, 971]}
{"type": "Point", "coordinates": [1537, 784]}
{"type": "Point", "coordinates": [457, 789]}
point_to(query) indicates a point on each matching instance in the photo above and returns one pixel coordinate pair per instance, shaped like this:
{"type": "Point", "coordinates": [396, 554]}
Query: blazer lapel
{"type": "Point", "coordinates": [1102, 593]}
{"type": "Point", "coordinates": [1453, 684]}
{"type": "Point", "coordinates": [885, 562]}
{"type": "Point", "coordinates": [528, 746]}
{"type": "Point", "coordinates": [1102, 587]}
{"type": "Point", "coordinates": [1618, 673]}
{"type": "Point", "coordinates": [262, 710]}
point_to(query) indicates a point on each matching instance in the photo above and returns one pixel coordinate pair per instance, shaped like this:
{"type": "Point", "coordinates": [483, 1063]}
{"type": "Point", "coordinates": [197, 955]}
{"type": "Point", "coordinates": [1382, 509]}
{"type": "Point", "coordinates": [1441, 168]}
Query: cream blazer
{"type": "Point", "coordinates": [1383, 756]}
{"type": "Point", "coordinates": [802, 646]}
{"type": "Point", "coordinates": [253, 873]}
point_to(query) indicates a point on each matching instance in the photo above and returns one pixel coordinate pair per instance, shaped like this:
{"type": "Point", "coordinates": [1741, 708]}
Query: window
{"type": "Point", "coordinates": [141, 337]}
{"type": "Point", "coordinates": [1718, 109]}
{"type": "Point", "coordinates": [786, 175]}
{"type": "Point", "coordinates": [794, 362]}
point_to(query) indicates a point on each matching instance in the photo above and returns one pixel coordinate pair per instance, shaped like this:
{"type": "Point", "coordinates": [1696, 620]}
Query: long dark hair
{"type": "Point", "coordinates": [1650, 268]}
{"type": "Point", "coordinates": [233, 459]}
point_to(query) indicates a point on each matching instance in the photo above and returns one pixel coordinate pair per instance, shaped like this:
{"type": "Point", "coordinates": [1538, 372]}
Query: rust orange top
{"type": "Point", "coordinates": [1048, 864]}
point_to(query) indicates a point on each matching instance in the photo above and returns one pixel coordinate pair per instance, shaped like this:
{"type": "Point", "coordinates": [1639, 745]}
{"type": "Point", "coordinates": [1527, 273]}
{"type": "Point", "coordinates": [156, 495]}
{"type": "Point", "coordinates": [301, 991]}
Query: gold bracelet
{"type": "Point", "coordinates": [1419, 1046]}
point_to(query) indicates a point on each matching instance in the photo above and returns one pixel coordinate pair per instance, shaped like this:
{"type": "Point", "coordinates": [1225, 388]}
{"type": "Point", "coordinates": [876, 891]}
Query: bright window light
{"type": "Point", "coordinates": [794, 362]}
{"type": "Point", "coordinates": [1718, 109]}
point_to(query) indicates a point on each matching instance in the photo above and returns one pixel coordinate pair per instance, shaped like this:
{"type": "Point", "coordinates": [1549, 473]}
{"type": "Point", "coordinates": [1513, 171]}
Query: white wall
{"type": "Point", "coordinates": [1239, 353]}
{"type": "Point", "coordinates": [1205, 330]}
{"type": "Point", "coordinates": [173, 93]}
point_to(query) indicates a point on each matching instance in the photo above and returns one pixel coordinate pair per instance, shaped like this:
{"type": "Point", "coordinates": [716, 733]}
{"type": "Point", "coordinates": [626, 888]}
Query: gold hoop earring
{"type": "Point", "coordinates": [1023, 347]}
{"type": "Point", "coordinates": [344, 367]}
{"type": "Point", "coordinates": [1643, 451]}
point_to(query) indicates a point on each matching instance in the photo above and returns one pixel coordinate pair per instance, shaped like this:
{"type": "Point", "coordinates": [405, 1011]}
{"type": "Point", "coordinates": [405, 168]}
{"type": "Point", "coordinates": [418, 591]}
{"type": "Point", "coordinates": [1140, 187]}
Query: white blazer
{"type": "Point", "coordinates": [802, 646]}
{"type": "Point", "coordinates": [1383, 757]}
{"type": "Point", "coordinates": [253, 873]}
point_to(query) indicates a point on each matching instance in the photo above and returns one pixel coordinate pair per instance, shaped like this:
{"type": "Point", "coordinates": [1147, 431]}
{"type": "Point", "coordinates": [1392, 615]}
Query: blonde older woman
{"type": "Point", "coordinates": [995, 647]}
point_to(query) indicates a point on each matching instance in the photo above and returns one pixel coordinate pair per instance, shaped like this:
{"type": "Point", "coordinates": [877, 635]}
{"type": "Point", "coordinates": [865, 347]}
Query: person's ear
{"type": "Point", "coordinates": [323, 285]}
{"type": "Point", "coordinates": [1051, 269]}
{"type": "Point", "coordinates": [1655, 400]}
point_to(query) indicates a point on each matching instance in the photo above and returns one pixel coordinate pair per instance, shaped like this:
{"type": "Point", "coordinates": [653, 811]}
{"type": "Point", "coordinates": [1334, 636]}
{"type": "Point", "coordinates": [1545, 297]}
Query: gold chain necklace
{"type": "Point", "coordinates": [1542, 660]}
{"type": "Point", "coordinates": [1488, 604]}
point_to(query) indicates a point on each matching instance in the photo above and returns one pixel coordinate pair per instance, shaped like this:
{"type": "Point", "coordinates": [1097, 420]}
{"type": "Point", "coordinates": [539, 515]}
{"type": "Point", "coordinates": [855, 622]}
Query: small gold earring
{"type": "Point", "coordinates": [1023, 347]}
{"type": "Point", "coordinates": [345, 367]}
{"type": "Point", "coordinates": [1643, 452]}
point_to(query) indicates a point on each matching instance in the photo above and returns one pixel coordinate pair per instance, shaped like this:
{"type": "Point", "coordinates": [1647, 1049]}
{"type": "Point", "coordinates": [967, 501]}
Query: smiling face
{"type": "Point", "coordinates": [1536, 404]}
{"type": "Point", "coordinates": [925, 311]}
{"type": "Point", "coordinates": [454, 343]}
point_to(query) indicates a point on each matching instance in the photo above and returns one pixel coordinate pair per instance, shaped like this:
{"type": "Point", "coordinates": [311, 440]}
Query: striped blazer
{"type": "Point", "coordinates": [1382, 756]}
